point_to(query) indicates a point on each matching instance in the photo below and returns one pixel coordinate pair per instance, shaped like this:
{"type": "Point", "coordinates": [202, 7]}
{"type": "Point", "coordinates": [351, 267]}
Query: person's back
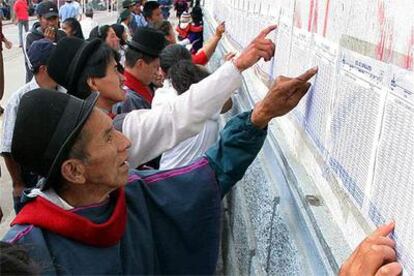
{"type": "Point", "coordinates": [88, 23]}
{"type": "Point", "coordinates": [69, 9]}
{"type": "Point", "coordinates": [181, 76]}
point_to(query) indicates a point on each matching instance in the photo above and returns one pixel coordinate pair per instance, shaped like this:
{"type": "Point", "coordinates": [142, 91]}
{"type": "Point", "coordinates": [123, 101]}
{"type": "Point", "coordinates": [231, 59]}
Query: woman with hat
{"type": "Point", "coordinates": [125, 20]}
{"type": "Point", "coordinates": [83, 67]}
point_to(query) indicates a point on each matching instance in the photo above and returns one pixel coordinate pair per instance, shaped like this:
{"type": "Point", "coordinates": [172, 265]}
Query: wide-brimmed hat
{"type": "Point", "coordinates": [47, 125]}
{"type": "Point", "coordinates": [127, 3]}
{"type": "Point", "coordinates": [148, 41]}
{"type": "Point", "coordinates": [68, 61]}
{"type": "Point", "coordinates": [124, 15]}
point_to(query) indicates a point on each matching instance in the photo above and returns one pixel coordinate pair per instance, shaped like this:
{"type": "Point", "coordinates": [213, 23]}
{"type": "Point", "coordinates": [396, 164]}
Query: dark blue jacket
{"type": "Point", "coordinates": [173, 217]}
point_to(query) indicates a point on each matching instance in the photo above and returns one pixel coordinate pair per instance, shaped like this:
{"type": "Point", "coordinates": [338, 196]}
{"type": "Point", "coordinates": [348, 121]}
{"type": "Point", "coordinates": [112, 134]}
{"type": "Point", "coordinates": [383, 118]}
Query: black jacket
{"type": "Point", "coordinates": [36, 33]}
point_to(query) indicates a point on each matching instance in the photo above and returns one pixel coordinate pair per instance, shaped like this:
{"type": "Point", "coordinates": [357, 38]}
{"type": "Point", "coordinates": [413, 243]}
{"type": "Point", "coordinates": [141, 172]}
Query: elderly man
{"type": "Point", "coordinates": [92, 216]}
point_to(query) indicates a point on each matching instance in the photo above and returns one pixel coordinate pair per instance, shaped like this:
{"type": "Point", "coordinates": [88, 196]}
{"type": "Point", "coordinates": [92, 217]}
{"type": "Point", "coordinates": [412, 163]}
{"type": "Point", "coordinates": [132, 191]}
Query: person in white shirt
{"type": "Point", "coordinates": [38, 55]}
{"type": "Point", "coordinates": [154, 131]}
{"type": "Point", "coordinates": [182, 75]}
{"type": "Point", "coordinates": [88, 23]}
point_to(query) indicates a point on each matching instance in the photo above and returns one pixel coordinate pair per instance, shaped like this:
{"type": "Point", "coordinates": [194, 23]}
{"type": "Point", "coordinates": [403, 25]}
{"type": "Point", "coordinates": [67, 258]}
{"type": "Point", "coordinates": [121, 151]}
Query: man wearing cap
{"type": "Point", "coordinates": [47, 27]}
{"type": "Point", "coordinates": [152, 13]}
{"type": "Point", "coordinates": [141, 66]}
{"type": "Point", "coordinates": [22, 178]}
{"type": "Point", "coordinates": [129, 5]}
{"type": "Point", "coordinates": [91, 215]}
{"type": "Point", "coordinates": [70, 9]}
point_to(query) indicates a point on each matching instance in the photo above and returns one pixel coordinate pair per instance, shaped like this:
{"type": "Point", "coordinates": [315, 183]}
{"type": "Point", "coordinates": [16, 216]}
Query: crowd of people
{"type": "Point", "coordinates": [113, 145]}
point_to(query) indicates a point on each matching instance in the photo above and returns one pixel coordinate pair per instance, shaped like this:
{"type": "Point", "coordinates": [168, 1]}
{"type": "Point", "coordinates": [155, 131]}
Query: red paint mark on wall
{"type": "Point", "coordinates": [297, 19]}
{"type": "Point", "coordinates": [408, 58]}
{"type": "Point", "coordinates": [311, 9]}
{"type": "Point", "coordinates": [379, 49]}
{"type": "Point", "coordinates": [315, 17]}
{"type": "Point", "coordinates": [325, 22]}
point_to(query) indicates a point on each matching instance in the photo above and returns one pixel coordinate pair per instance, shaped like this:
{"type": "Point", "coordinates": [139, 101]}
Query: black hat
{"type": "Point", "coordinates": [124, 15]}
{"type": "Point", "coordinates": [47, 125]}
{"type": "Point", "coordinates": [47, 9]}
{"type": "Point", "coordinates": [127, 3]}
{"type": "Point", "coordinates": [68, 61]}
{"type": "Point", "coordinates": [148, 41]}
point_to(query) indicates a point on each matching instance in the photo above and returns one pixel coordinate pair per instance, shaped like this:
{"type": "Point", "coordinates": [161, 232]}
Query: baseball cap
{"type": "Point", "coordinates": [39, 52]}
{"type": "Point", "coordinates": [47, 9]}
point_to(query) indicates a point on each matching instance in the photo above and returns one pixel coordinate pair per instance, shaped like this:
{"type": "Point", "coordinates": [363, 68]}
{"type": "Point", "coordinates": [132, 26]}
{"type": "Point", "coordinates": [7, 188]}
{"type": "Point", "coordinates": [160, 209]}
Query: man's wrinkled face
{"type": "Point", "coordinates": [156, 16]}
{"type": "Point", "coordinates": [51, 22]}
{"type": "Point", "coordinates": [107, 152]}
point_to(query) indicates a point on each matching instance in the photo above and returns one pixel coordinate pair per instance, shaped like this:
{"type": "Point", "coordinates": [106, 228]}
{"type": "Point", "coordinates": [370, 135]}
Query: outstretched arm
{"type": "Point", "coordinates": [244, 135]}
{"type": "Point", "coordinates": [154, 131]}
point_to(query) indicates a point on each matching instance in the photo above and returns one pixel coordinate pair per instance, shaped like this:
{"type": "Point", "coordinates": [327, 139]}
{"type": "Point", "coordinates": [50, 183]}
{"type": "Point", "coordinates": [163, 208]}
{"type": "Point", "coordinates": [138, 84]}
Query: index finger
{"type": "Point", "coordinates": [266, 31]}
{"type": "Point", "coordinates": [307, 75]}
{"type": "Point", "coordinates": [384, 230]}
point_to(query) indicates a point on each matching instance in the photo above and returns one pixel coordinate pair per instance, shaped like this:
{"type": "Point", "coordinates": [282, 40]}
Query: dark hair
{"type": "Point", "coordinates": [15, 260]}
{"type": "Point", "coordinates": [164, 27]}
{"type": "Point", "coordinates": [95, 68]}
{"type": "Point", "coordinates": [197, 15]}
{"type": "Point", "coordinates": [172, 54]}
{"type": "Point", "coordinates": [133, 55]}
{"type": "Point", "coordinates": [100, 32]}
{"type": "Point", "coordinates": [149, 7]}
{"type": "Point", "coordinates": [185, 73]}
{"type": "Point", "coordinates": [89, 12]}
{"type": "Point", "coordinates": [35, 70]}
{"type": "Point", "coordinates": [75, 26]}
{"type": "Point", "coordinates": [119, 31]}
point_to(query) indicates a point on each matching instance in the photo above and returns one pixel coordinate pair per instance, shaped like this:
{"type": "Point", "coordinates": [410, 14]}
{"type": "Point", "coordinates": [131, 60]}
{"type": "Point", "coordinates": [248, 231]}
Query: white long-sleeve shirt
{"type": "Point", "coordinates": [153, 131]}
{"type": "Point", "coordinates": [192, 148]}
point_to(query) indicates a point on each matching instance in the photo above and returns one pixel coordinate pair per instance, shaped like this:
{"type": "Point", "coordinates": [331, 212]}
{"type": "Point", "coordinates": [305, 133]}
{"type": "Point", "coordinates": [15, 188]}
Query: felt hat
{"type": "Point", "coordinates": [47, 9]}
{"type": "Point", "coordinates": [124, 15]}
{"type": "Point", "coordinates": [127, 3]}
{"type": "Point", "coordinates": [148, 41]}
{"type": "Point", "coordinates": [68, 61]}
{"type": "Point", "coordinates": [47, 125]}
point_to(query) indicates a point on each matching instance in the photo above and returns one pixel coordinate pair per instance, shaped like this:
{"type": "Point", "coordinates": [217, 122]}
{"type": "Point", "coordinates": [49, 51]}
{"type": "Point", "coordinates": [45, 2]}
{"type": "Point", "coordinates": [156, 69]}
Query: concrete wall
{"type": "Point", "coordinates": [341, 163]}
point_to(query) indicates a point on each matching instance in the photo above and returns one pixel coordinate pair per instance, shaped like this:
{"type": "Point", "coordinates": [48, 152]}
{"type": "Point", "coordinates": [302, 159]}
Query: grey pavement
{"type": "Point", "coordinates": [14, 75]}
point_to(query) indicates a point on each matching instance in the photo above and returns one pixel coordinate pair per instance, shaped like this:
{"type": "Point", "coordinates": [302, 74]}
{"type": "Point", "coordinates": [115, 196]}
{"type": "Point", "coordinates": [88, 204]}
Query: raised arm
{"type": "Point", "coordinates": [244, 135]}
{"type": "Point", "coordinates": [154, 131]}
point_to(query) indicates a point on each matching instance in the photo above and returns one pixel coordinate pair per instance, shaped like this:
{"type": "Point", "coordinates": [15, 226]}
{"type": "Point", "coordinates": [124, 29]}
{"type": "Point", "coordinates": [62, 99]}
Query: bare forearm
{"type": "Point", "coordinates": [211, 46]}
{"type": "Point", "coordinates": [15, 171]}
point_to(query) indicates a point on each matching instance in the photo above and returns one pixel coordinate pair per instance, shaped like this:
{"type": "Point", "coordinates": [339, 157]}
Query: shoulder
{"type": "Point", "coordinates": [21, 234]}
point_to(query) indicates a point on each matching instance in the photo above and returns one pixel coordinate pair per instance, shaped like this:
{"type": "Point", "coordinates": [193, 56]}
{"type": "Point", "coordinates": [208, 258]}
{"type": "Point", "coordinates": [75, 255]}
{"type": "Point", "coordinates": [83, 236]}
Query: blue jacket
{"type": "Point", "coordinates": [172, 221]}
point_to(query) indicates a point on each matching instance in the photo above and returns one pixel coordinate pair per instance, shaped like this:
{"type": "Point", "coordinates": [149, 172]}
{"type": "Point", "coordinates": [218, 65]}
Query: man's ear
{"type": "Point", "coordinates": [138, 65]}
{"type": "Point", "coordinates": [73, 171]}
{"type": "Point", "coordinates": [92, 84]}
